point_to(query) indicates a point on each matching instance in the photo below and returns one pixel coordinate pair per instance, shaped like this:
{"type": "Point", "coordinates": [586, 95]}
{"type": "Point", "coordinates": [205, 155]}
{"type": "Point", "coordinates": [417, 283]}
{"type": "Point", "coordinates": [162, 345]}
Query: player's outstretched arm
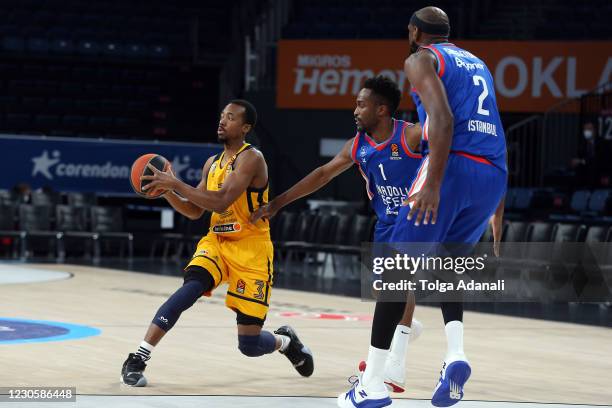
{"type": "Point", "coordinates": [317, 178]}
{"type": "Point", "coordinates": [420, 69]}
{"type": "Point", "coordinates": [184, 206]}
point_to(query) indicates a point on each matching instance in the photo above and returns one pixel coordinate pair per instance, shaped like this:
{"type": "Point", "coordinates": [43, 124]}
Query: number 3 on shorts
{"type": "Point", "coordinates": [260, 285]}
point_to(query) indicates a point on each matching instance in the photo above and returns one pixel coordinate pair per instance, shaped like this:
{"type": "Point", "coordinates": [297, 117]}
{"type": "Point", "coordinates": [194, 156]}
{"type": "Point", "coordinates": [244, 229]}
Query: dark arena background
{"type": "Point", "coordinates": [86, 87]}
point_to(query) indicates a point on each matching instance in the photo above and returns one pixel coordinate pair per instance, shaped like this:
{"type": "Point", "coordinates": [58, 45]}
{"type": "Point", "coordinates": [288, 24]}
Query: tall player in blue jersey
{"type": "Point", "coordinates": [385, 151]}
{"type": "Point", "coordinates": [459, 186]}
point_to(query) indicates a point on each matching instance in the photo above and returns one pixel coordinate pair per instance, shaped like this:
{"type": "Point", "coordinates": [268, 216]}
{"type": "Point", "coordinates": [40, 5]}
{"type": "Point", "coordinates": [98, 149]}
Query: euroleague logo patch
{"type": "Point", "coordinates": [395, 152]}
{"type": "Point", "coordinates": [240, 286]}
{"type": "Point", "coordinates": [225, 228]}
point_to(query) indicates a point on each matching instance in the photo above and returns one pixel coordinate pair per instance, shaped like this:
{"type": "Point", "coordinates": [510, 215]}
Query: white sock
{"type": "Point", "coordinates": [454, 340]}
{"type": "Point", "coordinates": [372, 378]}
{"type": "Point", "coordinates": [145, 350]}
{"type": "Point", "coordinates": [399, 345]}
{"type": "Point", "coordinates": [285, 340]}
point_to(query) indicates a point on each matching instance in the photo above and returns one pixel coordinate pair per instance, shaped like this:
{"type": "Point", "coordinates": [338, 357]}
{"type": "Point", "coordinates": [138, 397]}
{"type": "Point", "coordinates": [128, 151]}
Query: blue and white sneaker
{"type": "Point", "coordinates": [359, 397]}
{"type": "Point", "coordinates": [453, 377]}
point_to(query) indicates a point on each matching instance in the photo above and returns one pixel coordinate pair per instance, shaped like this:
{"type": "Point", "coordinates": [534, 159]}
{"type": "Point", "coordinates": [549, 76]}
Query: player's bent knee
{"type": "Point", "coordinates": [255, 346]}
{"type": "Point", "coordinates": [195, 272]}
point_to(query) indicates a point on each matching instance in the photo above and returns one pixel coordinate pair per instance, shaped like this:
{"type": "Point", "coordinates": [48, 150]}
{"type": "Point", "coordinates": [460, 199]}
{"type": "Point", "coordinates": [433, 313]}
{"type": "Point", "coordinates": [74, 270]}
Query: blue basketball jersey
{"type": "Point", "coordinates": [470, 90]}
{"type": "Point", "coordinates": [388, 169]}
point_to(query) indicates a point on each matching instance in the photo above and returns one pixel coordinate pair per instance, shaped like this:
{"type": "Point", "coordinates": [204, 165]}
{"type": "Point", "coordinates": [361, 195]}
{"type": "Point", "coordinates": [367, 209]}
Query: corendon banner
{"type": "Point", "coordinates": [102, 166]}
{"type": "Point", "coordinates": [530, 76]}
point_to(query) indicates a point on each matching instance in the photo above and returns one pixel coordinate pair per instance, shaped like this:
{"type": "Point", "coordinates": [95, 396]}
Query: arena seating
{"type": "Point", "coordinates": [60, 98]}
{"type": "Point", "coordinates": [76, 224]}
{"type": "Point", "coordinates": [339, 19]}
{"type": "Point", "coordinates": [590, 206]}
{"type": "Point", "coordinates": [111, 28]}
{"type": "Point", "coordinates": [50, 222]}
{"type": "Point", "coordinates": [497, 19]}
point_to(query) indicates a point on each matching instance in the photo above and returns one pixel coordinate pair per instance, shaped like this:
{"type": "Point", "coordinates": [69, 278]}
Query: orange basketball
{"type": "Point", "coordinates": [139, 169]}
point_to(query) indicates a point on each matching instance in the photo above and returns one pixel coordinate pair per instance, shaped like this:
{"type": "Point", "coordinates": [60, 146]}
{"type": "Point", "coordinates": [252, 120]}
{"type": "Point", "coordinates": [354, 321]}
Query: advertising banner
{"type": "Point", "coordinates": [530, 76]}
{"type": "Point", "coordinates": [91, 165]}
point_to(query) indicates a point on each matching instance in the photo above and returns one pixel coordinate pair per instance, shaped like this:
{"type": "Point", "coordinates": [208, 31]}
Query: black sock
{"type": "Point", "coordinates": [452, 311]}
{"type": "Point", "coordinates": [386, 317]}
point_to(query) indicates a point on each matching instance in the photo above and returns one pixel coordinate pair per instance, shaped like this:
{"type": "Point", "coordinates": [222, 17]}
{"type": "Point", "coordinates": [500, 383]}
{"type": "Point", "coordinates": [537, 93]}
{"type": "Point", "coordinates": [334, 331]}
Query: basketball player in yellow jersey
{"type": "Point", "coordinates": [234, 185]}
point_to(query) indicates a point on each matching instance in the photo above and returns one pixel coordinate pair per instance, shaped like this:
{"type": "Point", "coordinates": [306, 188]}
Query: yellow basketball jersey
{"type": "Point", "coordinates": [233, 223]}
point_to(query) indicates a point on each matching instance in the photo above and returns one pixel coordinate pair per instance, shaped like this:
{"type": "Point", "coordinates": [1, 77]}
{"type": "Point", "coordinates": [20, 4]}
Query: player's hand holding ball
{"type": "Point", "coordinates": [151, 176]}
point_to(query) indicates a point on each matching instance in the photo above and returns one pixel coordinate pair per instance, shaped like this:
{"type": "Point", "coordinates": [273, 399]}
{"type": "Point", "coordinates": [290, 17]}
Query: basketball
{"type": "Point", "coordinates": [139, 169]}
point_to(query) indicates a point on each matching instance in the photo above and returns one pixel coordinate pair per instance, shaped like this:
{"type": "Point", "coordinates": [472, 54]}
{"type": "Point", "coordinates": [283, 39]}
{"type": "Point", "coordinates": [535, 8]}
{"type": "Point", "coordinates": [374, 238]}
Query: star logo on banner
{"type": "Point", "coordinates": [43, 163]}
{"type": "Point", "coordinates": [178, 165]}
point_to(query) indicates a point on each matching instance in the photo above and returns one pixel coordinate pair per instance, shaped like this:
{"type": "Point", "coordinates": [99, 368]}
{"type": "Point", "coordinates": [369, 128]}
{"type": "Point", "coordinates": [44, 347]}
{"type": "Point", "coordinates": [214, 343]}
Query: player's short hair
{"type": "Point", "coordinates": [250, 113]}
{"type": "Point", "coordinates": [386, 90]}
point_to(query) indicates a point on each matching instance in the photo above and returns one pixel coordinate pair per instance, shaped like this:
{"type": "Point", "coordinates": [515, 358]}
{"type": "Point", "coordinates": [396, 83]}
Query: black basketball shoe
{"type": "Point", "coordinates": [131, 372]}
{"type": "Point", "coordinates": [299, 355]}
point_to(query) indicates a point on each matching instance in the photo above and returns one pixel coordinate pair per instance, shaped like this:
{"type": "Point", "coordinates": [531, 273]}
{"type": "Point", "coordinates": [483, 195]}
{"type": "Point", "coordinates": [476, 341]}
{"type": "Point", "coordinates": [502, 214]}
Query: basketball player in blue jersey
{"type": "Point", "coordinates": [459, 186]}
{"type": "Point", "coordinates": [385, 151]}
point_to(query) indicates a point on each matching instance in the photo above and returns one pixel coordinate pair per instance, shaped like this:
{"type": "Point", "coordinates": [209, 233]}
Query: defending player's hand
{"type": "Point", "coordinates": [165, 180]}
{"type": "Point", "coordinates": [424, 205]}
{"type": "Point", "coordinates": [265, 211]}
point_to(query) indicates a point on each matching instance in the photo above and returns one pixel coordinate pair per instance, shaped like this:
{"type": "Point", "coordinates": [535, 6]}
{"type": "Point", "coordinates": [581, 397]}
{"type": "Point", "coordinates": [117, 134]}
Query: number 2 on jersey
{"type": "Point", "coordinates": [485, 92]}
{"type": "Point", "coordinates": [382, 171]}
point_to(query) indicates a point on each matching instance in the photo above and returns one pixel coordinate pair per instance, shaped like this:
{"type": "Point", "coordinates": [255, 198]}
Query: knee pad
{"type": "Point", "coordinates": [255, 346]}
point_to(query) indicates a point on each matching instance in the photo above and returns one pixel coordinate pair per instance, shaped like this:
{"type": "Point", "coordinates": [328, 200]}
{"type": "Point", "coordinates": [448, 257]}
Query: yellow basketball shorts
{"type": "Point", "coordinates": [246, 266]}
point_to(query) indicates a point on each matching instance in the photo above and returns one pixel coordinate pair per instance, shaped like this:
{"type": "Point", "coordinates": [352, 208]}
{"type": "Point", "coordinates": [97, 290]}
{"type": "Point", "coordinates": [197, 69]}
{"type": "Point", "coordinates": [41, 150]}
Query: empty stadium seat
{"type": "Point", "coordinates": [8, 229]}
{"type": "Point", "coordinates": [568, 232]}
{"type": "Point", "coordinates": [108, 223]}
{"type": "Point", "coordinates": [523, 198]}
{"type": "Point", "coordinates": [539, 232]}
{"type": "Point", "coordinates": [81, 199]}
{"type": "Point", "coordinates": [516, 232]}
{"type": "Point", "coordinates": [7, 197]}
{"type": "Point", "coordinates": [599, 201]}
{"type": "Point", "coordinates": [72, 221]}
{"type": "Point", "coordinates": [597, 233]}
{"type": "Point", "coordinates": [36, 221]}
{"type": "Point", "coordinates": [580, 200]}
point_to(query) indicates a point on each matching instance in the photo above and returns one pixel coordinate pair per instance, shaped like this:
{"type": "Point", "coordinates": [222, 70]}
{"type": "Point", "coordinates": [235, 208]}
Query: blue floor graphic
{"type": "Point", "coordinates": [15, 330]}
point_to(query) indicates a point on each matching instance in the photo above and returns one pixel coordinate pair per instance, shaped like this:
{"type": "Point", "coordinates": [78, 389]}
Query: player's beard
{"type": "Point", "coordinates": [414, 47]}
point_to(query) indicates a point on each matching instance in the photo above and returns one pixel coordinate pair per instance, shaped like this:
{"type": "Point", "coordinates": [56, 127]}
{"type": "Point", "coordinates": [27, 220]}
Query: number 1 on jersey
{"type": "Point", "coordinates": [382, 171]}
{"type": "Point", "coordinates": [485, 92]}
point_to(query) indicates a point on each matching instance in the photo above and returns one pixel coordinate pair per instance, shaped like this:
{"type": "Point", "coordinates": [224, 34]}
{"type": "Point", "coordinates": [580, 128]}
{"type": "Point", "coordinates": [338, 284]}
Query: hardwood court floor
{"type": "Point", "coordinates": [513, 359]}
